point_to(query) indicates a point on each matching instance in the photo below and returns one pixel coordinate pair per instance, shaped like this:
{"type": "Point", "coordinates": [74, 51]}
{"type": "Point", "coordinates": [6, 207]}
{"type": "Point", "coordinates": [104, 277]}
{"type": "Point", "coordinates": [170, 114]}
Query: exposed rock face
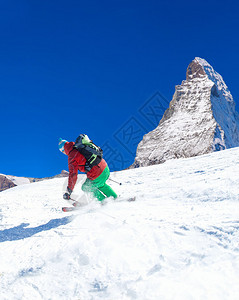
{"type": "Point", "coordinates": [195, 70]}
{"type": "Point", "coordinates": [201, 118]}
{"type": "Point", "coordinates": [5, 183]}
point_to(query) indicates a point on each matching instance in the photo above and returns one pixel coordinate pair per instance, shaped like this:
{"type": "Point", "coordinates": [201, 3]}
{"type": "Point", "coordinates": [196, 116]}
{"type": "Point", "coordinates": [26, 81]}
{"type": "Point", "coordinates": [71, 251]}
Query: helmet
{"type": "Point", "coordinates": [61, 145]}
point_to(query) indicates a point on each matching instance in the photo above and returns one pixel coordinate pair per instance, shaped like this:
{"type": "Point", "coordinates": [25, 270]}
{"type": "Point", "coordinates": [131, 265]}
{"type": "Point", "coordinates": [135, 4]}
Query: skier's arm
{"type": "Point", "coordinates": [73, 171]}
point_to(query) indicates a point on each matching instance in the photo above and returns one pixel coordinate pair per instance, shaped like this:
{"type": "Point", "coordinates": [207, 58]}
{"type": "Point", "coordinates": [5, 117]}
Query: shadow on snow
{"type": "Point", "coordinates": [21, 232]}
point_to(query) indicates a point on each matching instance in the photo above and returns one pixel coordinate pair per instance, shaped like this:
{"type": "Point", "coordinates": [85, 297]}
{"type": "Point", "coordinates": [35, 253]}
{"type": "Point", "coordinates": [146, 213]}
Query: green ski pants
{"type": "Point", "coordinates": [98, 187]}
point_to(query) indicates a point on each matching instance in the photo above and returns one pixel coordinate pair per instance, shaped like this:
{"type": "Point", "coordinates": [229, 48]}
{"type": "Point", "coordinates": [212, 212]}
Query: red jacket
{"type": "Point", "coordinates": [76, 161]}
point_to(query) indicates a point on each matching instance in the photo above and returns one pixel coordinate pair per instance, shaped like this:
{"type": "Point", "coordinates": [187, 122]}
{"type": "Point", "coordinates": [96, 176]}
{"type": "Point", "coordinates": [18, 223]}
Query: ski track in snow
{"type": "Point", "coordinates": [178, 240]}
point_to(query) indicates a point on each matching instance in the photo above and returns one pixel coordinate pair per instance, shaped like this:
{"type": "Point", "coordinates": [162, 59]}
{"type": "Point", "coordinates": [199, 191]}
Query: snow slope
{"type": "Point", "coordinates": [178, 240]}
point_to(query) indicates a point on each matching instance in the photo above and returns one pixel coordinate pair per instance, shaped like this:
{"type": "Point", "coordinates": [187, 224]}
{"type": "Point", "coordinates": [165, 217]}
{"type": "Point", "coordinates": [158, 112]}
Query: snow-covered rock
{"type": "Point", "coordinates": [8, 181]}
{"type": "Point", "coordinates": [18, 180]}
{"type": "Point", "coordinates": [5, 183]}
{"type": "Point", "coordinates": [201, 118]}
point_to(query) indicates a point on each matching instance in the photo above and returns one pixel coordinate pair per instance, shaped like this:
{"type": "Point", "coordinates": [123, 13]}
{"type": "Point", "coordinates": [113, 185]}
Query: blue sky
{"type": "Point", "coordinates": [71, 67]}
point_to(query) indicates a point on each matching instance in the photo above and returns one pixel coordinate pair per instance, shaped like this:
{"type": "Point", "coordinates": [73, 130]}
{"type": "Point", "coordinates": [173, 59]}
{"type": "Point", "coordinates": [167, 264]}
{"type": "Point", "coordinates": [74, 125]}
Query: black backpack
{"type": "Point", "coordinates": [92, 153]}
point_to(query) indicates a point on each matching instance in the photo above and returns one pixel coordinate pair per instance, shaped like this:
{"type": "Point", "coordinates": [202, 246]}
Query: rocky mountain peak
{"type": "Point", "coordinates": [201, 118]}
{"type": "Point", "coordinates": [195, 70]}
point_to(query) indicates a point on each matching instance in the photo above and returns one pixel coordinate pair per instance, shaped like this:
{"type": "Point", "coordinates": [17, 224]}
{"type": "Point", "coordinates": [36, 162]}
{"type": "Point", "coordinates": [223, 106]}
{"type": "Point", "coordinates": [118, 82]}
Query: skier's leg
{"type": "Point", "coordinates": [108, 191]}
{"type": "Point", "coordinates": [98, 188]}
{"type": "Point", "coordinates": [98, 194]}
{"type": "Point", "coordinates": [100, 183]}
{"type": "Point", "coordinates": [89, 187]}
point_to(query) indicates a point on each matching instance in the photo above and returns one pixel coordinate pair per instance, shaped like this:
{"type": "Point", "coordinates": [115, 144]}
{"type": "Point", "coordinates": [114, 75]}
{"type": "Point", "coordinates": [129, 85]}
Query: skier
{"type": "Point", "coordinates": [95, 167]}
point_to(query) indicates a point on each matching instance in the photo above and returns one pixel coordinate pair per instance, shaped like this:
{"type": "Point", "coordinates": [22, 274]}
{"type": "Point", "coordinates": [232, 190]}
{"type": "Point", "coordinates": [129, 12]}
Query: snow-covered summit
{"type": "Point", "coordinates": [215, 77]}
{"type": "Point", "coordinates": [201, 118]}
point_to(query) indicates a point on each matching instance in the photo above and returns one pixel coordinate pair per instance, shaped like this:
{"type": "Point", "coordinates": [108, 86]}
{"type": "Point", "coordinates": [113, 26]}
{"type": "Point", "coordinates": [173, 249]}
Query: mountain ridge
{"type": "Point", "coordinates": [10, 181]}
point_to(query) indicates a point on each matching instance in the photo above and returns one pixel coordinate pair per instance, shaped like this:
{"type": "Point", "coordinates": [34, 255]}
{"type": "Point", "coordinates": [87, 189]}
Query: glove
{"type": "Point", "coordinates": [67, 195]}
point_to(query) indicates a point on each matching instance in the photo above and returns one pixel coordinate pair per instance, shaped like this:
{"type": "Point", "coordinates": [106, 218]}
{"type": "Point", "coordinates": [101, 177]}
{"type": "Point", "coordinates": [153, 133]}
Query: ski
{"type": "Point", "coordinates": [76, 205]}
{"type": "Point", "coordinates": [68, 208]}
{"type": "Point", "coordinates": [130, 199]}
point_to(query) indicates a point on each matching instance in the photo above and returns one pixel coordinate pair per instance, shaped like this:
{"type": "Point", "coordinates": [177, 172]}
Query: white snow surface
{"type": "Point", "coordinates": [178, 240]}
